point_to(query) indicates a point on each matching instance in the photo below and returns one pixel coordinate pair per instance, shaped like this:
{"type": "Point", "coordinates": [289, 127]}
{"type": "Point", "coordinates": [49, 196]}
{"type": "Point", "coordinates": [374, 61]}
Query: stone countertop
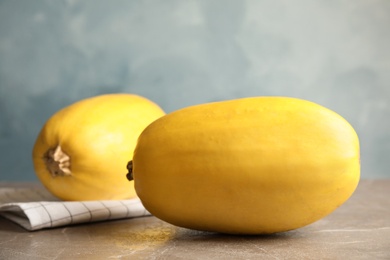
{"type": "Point", "coordinates": [359, 229]}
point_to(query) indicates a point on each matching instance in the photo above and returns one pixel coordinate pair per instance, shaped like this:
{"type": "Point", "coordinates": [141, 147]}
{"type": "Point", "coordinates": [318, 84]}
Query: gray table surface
{"type": "Point", "coordinates": [359, 229]}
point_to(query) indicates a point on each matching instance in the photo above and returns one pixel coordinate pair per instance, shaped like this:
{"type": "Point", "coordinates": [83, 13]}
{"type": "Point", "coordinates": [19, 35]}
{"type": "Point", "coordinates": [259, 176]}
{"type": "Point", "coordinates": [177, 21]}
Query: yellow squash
{"type": "Point", "coordinates": [248, 166]}
{"type": "Point", "coordinates": [80, 151]}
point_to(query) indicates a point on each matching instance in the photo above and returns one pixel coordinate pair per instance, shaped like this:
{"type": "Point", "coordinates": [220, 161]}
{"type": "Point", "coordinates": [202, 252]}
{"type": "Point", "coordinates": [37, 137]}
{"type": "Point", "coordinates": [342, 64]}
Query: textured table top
{"type": "Point", "coordinates": [359, 229]}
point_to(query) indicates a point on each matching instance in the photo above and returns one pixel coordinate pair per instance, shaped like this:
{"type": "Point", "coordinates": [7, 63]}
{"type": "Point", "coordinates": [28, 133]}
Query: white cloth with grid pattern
{"type": "Point", "coordinates": [35, 208]}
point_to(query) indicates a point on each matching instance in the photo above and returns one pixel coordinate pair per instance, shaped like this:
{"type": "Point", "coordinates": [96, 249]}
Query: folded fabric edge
{"type": "Point", "coordinates": [15, 214]}
{"type": "Point", "coordinates": [20, 214]}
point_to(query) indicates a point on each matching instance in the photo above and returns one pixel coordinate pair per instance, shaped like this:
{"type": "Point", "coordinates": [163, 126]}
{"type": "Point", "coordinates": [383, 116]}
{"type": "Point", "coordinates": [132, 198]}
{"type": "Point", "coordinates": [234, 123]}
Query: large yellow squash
{"type": "Point", "coordinates": [248, 166]}
{"type": "Point", "coordinates": [80, 151]}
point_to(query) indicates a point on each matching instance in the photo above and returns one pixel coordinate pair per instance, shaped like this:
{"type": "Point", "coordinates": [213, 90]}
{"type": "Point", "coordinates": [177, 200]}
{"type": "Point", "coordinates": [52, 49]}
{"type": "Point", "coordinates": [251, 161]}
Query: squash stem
{"type": "Point", "coordinates": [129, 175]}
{"type": "Point", "coordinates": [57, 162]}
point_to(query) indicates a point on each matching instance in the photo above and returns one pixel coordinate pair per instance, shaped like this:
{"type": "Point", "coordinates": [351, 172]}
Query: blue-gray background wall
{"type": "Point", "coordinates": [184, 52]}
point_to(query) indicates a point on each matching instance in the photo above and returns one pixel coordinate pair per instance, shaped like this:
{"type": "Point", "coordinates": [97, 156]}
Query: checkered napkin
{"type": "Point", "coordinates": [35, 208]}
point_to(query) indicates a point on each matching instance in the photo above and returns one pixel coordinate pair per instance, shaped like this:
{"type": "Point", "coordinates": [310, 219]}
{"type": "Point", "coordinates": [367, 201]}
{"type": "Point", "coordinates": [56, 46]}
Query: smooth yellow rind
{"type": "Point", "coordinates": [99, 134]}
{"type": "Point", "coordinates": [247, 166]}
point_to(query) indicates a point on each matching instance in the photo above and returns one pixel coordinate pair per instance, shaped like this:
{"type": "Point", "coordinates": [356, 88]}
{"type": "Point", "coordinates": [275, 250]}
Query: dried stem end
{"type": "Point", "coordinates": [57, 162]}
{"type": "Point", "coordinates": [129, 175]}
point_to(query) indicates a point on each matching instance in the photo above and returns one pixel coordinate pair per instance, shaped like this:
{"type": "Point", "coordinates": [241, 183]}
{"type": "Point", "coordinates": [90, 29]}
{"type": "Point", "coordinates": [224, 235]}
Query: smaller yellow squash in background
{"type": "Point", "coordinates": [247, 166]}
{"type": "Point", "coordinates": [80, 152]}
